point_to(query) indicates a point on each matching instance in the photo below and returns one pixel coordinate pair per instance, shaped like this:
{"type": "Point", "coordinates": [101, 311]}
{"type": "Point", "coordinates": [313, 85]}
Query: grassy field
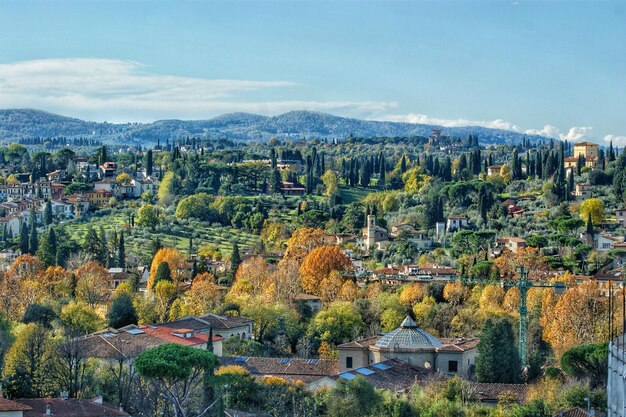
{"type": "Point", "coordinates": [353, 194]}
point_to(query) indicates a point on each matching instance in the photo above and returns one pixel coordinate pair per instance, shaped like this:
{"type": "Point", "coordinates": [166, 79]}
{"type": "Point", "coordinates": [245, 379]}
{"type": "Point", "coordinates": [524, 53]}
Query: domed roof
{"type": "Point", "coordinates": [408, 336]}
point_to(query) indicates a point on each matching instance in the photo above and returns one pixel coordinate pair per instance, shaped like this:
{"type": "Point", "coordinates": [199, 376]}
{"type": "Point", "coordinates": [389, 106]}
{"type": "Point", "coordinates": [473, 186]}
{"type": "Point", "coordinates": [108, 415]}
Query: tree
{"type": "Point", "coordinates": [356, 397]}
{"type": "Point", "coordinates": [24, 238]}
{"type": "Point", "coordinates": [163, 273]}
{"type": "Point", "coordinates": [33, 241]}
{"type": "Point", "coordinates": [593, 207]}
{"type": "Point", "coordinates": [235, 260]}
{"type": "Point", "coordinates": [147, 216]}
{"type": "Point", "coordinates": [587, 362]}
{"type": "Point", "coordinates": [318, 265]}
{"type": "Point", "coordinates": [47, 214]}
{"type": "Point", "coordinates": [122, 313]}
{"type": "Point", "coordinates": [178, 372]}
{"type": "Point", "coordinates": [29, 363]}
{"type": "Point", "coordinates": [498, 359]}
{"type": "Point", "coordinates": [121, 252]}
{"type": "Point", "coordinates": [176, 263]}
{"type": "Point", "coordinates": [41, 314]}
{"type": "Point", "coordinates": [48, 248]}
{"type": "Point", "coordinates": [331, 186]}
{"type": "Point", "coordinates": [340, 322]}
{"type": "Point", "coordinates": [92, 284]}
{"type": "Point", "coordinates": [149, 163]}
{"type": "Point", "coordinates": [123, 178]}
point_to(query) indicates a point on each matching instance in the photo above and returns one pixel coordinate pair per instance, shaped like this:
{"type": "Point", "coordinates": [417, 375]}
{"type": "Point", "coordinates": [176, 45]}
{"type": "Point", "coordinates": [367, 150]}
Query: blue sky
{"type": "Point", "coordinates": [554, 68]}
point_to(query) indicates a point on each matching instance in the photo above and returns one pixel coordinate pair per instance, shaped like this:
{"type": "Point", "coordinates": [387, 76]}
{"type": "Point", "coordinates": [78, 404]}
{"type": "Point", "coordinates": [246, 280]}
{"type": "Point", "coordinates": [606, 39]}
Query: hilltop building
{"type": "Point", "coordinates": [413, 345]}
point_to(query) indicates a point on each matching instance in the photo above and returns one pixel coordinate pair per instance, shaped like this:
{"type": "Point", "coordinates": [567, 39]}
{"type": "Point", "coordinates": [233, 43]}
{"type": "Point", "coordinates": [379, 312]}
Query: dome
{"type": "Point", "coordinates": [408, 336]}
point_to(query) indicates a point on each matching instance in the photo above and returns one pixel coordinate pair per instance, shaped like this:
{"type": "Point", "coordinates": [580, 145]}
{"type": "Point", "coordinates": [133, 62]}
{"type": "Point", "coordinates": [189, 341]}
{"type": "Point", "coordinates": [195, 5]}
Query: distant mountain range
{"type": "Point", "coordinates": [20, 123]}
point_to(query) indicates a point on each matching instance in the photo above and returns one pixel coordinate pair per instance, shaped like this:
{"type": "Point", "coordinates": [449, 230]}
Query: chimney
{"type": "Point", "coordinates": [48, 409]}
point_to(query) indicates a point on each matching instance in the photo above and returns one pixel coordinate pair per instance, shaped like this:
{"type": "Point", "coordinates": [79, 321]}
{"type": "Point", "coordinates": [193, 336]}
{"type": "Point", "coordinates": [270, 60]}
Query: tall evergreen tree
{"type": "Point", "coordinates": [33, 241]}
{"type": "Point", "coordinates": [24, 236]}
{"type": "Point", "coordinates": [498, 359]}
{"type": "Point", "coordinates": [121, 251]}
{"type": "Point", "coordinates": [47, 214]}
{"type": "Point", "coordinates": [235, 261]}
{"type": "Point", "coordinates": [149, 163]}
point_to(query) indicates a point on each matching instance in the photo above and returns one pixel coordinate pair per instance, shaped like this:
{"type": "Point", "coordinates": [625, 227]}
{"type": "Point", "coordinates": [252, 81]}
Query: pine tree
{"type": "Point", "coordinates": [48, 248]}
{"type": "Point", "coordinates": [122, 312]}
{"type": "Point", "coordinates": [276, 182]}
{"type": "Point", "coordinates": [589, 224]}
{"type": "Point", "coordinates": [403, 165]}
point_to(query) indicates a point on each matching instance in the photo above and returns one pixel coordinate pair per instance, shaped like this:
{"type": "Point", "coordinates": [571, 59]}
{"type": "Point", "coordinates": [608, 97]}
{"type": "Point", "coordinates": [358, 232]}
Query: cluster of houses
{"type": "Point", "coordinates": [17, 200]}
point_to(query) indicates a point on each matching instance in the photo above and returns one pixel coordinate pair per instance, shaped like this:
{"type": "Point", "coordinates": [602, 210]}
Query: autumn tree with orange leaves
{"type": "Point", "coordinates": [577, 317]}
{"type": "Point", "coordinates": [535, 263]}
{"type": "Point", "coordinates": [251, 280]}
{"type": "Point", "coordinates": [176, 262]}
{"type": "Point", "coordinates": [318, 266]}
{"type": "Point", "coordinates": [21, 286]}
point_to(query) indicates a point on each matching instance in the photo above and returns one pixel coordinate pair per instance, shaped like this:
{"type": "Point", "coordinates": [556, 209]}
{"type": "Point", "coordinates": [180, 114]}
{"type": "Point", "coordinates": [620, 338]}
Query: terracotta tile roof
{"type": "Point", "coordinates": [491, 392]}
{"type": "Point", "coordinates": [585, 143]}
{"type": "Point", "coordinates": [364, 343]}
{"type": "Point", "coordinates": [117, 344]}
{"type": "Point", "coordinates": [8, 405]}
{"type": "Point", "coordinates": [168, 335]}
{"type": "Point", "coordinates": [70, 408]}
{"type": "Point", "coordinates": [189, 322]}
{"type": "Point", "coordinates": [458, 345]}
{"type": "Point", "coordinates": [306, 297]}
{"type": "Point", "coordinates": [294, 369]}
{"type": "Point", "coordinates": [575, 412]}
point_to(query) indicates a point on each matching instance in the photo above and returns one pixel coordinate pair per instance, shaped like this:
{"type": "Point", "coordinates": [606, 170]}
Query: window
{"type": "Point", "coordinates": [453, 366]}
{"type": "Point", "coordinates": [348, 361]}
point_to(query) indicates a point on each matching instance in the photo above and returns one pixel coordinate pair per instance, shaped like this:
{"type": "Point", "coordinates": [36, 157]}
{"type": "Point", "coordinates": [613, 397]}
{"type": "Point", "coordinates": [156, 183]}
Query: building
{"type": "Point", "coordinates": [431, 272]}
{"type": "Point", "coordinates": [289, 188]}
{"type": "Point", "coordinates": [71, 407]}
{"type": "Point", "coordinates": [582, 190]}
{"type": "Point", "coordinates": [506, 242]}
{"type": "Point", "coordinates": [616, 386]}
{"type": "Point", "coordinates": [586, 149]}
{"type": "Point", "coordinates": [291, 369]}
{"type": "Point", "coordinates": [229, 326]}
{"type": "Point", "coordinates": [414, 346]}
{"type": "Point", "coordinates": [10, 408]}
{"type": "Point", "coordinates": [494, 170]}
{"type": "Point", "coordinates": [313, 302]}
{"type": "Point", "coordinates": [455, 223]}
{"type": "Point", "coordinates": [107, 170]}
{"type": "Point", "coordinates": [620, 216]}
{"type": "Point", "coordinates": [374, 236]}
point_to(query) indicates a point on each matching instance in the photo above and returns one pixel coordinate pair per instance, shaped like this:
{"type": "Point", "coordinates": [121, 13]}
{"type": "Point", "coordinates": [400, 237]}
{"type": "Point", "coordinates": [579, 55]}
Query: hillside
{"type": "Point", "coordinates": [18, 123]}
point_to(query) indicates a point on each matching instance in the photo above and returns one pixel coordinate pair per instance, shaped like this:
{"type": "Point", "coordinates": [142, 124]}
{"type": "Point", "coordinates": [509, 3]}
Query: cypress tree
{"type": "Point", "coordinates": [498, 359]}
{"type": "Point", "coordinates": [163, 273]}
{"type": "Point", "coordinates": [121, 252]}
{"type": "Point", "coordinates": [403, 165]}
{"type": "Point", "coordinates": [235, 260]}
{"type": "Point", "coordinates": [589, 224]}
{"type": "Point", "coordinates": [33, 242]}
{"type": "Point", "coordinates": [149, 163]}
{"type": "Point", "coordinates": [47, 214]}
{"type": "Point", "coordinates": [24, 238]}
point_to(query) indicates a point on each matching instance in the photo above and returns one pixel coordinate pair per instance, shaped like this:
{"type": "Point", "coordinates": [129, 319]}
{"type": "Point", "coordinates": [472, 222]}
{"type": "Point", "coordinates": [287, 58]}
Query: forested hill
{"type": "Point", "coordinates": [15, 124]}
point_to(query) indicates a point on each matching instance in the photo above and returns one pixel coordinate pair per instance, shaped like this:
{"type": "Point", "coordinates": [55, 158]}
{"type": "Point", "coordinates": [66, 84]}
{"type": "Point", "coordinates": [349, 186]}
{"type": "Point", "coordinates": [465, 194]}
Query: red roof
{"type": "Point", "coordinates": [166, 333]}
{"type": "Point", "coordinates": [8, 405]}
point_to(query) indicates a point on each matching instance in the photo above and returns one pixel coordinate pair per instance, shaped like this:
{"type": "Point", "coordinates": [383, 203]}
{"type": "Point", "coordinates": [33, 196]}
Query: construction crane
{"type": "Point", "coordinates": [524, 285]}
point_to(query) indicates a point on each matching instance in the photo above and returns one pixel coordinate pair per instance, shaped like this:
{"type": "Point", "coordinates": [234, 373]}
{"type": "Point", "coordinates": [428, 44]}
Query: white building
{"type": "Point", "coordinates": [616, 387]}
{"type": "Point", "coordinates": [455, 223]}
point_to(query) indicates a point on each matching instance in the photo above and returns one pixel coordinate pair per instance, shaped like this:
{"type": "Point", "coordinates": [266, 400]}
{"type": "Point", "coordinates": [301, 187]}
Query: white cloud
{"type": "Point", "coordinates": [578, 133]}
{"type": "Point", "coordinates": [617, 140]}
{"type": "Point", "coordinates": [115, 90]}
{"type": "Point", "coordinates": [548, 131]}
{"type": "Point", "coordinates": [429, 120]}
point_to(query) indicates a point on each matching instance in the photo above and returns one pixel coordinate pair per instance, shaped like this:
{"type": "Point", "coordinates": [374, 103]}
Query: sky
{"type": "Point", "coordinates": [555, 68]}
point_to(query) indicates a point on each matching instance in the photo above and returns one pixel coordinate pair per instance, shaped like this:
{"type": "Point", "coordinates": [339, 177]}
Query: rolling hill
{"type": "Point", "coordinates": [19, 123]}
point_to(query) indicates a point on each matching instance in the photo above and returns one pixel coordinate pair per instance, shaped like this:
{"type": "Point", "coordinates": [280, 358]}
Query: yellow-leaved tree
{"type": "Point", "coordinates": [318, 266]}
{"type": "Point", "coordinates": [176, 262]}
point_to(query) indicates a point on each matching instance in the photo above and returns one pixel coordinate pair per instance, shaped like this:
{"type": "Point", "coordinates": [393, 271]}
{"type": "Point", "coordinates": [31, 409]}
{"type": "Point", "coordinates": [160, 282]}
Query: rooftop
{"type": "Point", "coordinates": [8, 405]}
{"type": "Point", "coordinates": [70, 408]}
{"type": "Point", "coordinates": [294, 369]}
{"type": "Point", "coordinates": [408, 336]}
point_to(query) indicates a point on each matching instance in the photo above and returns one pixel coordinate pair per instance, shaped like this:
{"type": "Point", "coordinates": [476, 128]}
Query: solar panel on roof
{"type": "Point", "coordinates": [135, 331]}
{"type": "Point", "coordinates": [241, 359]}
{"type": "Point", "coordinates": [284, 360]}
{"type": "Point", "coordinates": [313, 361]}
{"type": "Point", "coordinates": [365, 371]}
{"type": "Point", "coordinates": [108, 334]}
{"type": "Point", "coordinates": [347, 375]}
{"type": "Point", "coordinates": [381, 366]}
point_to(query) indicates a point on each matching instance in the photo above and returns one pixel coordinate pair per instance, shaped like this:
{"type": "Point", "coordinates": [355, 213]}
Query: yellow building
{"type": "Point", "coordinates": [586, 149]}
